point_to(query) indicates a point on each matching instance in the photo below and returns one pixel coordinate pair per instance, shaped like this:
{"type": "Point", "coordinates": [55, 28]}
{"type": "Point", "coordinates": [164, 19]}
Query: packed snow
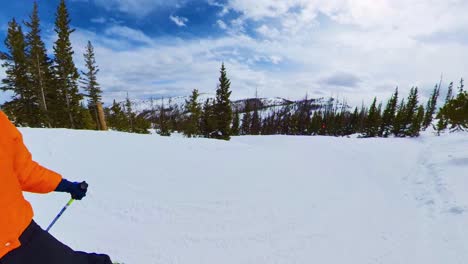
{"type": "Point", "coordinates": [259, 199]}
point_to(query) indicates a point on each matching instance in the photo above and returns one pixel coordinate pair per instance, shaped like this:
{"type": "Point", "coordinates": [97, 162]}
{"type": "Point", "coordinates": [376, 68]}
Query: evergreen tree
{"type": "Point", "coordinates": [85, 119]}
{"type": "Point", "coordinates": [442, 115]}
{"type": "Point", "coordinates": [431, 107]}
{"type": "Point", "coordinates": [246, 120]}
{"type": "Point", "coordinates": [65, 70]}
{"type": "Point", "coordinates": [223, 113]}
{"type": "Point", "coordinates": [372, 121]}
{"type": "Point", "coordinates": [456, 111]}
{"type": "Point", "coordinates": [129, 113]}
{"type": "Point", "coordinates": [142, 125]}
{"type": "Point", "coordinates": [388, 117]}
{"type": "Point", "coordinates": [117, 118]}
{"type": "Point", "coordinates": [90, 84]}
{"type": "Point", "coordinates": [462, 86]}
{"type": "Point", "coordinates": [256, 125]}
{"type": "Point", "coordinates": [24, 105]}
{"type": "Point", "coordinates": [235, 129]}
{"type": "Point", "coordinates": [208, 119]}
{"type": "Point", "coordinates": [316, 123]}
{"type": "Point", "coordinates": [194, 111]}
{"type": "Point", "coordinates": [397, 127]}
{"type": "Point", "coordinates": [417, 122]}
{"type": "Point", "coordinates": [411, 112]}
{"type": "Point", "coordinates": [449, 93]}
{"type": "Point", "coordinates": [302, 119]}
{"type": "Point", "coordinates": [163, 121]}
{"type": "Point", "coordinates": [39, 66]}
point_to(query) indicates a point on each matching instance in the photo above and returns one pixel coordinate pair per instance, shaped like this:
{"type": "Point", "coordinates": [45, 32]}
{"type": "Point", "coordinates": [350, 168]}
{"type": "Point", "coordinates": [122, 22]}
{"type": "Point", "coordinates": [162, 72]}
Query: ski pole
{"type": "Point", "coordinates": [83, 186]}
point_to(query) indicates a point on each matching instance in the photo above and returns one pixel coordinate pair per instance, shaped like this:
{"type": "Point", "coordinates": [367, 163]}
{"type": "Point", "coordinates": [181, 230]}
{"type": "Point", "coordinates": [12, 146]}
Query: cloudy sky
{"type": "Point", "coordinates": [353, 49]}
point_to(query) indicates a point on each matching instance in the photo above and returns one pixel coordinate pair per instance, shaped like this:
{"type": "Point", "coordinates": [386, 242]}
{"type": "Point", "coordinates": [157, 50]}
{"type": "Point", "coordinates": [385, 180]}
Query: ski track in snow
{"type": "Point", "coordinates": [273, 199]}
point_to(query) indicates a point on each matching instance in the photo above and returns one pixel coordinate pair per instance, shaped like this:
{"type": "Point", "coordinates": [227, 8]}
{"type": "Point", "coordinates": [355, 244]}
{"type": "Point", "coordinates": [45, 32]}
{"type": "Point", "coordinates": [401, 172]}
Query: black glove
{"type": "Point", "coordinates": [76, 189]}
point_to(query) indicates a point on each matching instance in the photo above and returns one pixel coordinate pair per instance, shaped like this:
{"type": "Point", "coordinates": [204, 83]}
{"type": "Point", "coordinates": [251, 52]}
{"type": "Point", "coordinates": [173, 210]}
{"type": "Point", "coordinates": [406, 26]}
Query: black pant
{"type": "Point", "coordinates": [40, 247]}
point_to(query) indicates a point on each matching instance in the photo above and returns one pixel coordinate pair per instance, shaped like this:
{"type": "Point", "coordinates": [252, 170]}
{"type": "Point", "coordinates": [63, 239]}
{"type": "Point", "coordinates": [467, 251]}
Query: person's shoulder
{"type": "Point", "coordinates": [6, 126]}
{"type": "Point", "coordinates": [4, 119]}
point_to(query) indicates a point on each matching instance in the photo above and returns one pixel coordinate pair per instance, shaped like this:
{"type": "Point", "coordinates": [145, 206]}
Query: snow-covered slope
{"type": "Point", "coordinates": [272, 199]}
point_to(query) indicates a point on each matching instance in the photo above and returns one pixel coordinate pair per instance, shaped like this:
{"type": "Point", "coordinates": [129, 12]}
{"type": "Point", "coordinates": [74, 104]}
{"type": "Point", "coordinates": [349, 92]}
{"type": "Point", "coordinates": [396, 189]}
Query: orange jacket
{"type": "Point", "coordinates": [18, 173]}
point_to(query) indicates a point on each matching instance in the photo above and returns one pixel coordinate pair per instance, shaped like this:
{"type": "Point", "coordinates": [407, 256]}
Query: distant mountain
{"type": "Point", "coordinates": [265, 105]}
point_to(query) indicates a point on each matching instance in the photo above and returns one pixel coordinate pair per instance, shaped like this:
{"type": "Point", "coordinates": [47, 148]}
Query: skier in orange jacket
{"type": "Point", "coordinates": [22, 241]}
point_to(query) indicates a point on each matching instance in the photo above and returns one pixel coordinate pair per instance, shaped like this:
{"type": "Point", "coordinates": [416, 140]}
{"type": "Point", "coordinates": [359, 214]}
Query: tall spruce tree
{"type": "Point", "coordinates": [442, 115]}
{"type": "Point", "coordinates": [207, 125]}
{"type": "Point", "coordinates": [194, 114]}
{"type": "Point", "coordinates": [431, 107]}
{"type": "Point", "coordinates": [411, 112]}
{"type": "Point", "coordinates": [90, 84]}
{"type": "Point", "coordinates": [65, 70]}
{"type": "Point", "coordinates": [223, 114]}
{"type": "Point", "coordinates": [456, 110]}
{"type": "Point", "coordinates": [416, 124]}
{"type": "Point", "coordinates": [39, 69]}
{"type": "Point", "coordinates": [397, 127]}
{"type": "Point", "coordinates": [372, 121]}
{"type": "Point", "coordinates": [388, 117]}
{"type": "Point", "coordinates": [24, 105]}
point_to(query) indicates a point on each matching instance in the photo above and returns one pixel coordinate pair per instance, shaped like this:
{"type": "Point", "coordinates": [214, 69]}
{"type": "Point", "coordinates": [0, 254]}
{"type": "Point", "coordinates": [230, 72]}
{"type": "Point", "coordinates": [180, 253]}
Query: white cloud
{"type": "Point", "coordinates": [221, 24]}
{"type": "Point", "coordinates": [268, 32]}
{"type": "Point", "coordinates": [179, 21]}
{"type": "Point", "coordinates": [128, 34]}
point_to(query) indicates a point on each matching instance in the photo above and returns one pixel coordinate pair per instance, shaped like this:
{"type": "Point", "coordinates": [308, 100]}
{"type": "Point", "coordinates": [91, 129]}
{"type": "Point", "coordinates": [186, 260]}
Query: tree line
{"type": "Point", "coordinates": [400, 118]}
{"type": "Point", "coordinates": [46, 91]}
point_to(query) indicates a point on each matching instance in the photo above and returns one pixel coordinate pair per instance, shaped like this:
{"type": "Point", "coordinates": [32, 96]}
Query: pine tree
{"type": "Point", "coordinates": [246, 120]}
{"type": "Point", "coordinates": [65, 70]}
{"type": "Point", "coordinates": [24, 105]}
{"type": "Point", "coordinates": [90, 84]}
{"type": "Point", "coordinates": [388, 117]}
{"type": "Point", "coordinates": [223, 114]}
{"type": "Point", "coordinates": [235, 129]}
{"type": "Point", "coordinates": [208, 119]}
{"type": "Point", "coordinates": [353, 122]}
{"type": "Point", "coordinates": [372, 122]}
{"type": "Point", "coordinates": [411, 111]}
{"type": "Point", "coordinates": [442, 115]}
{"type": "Point", "coordinates": [163, 121]}
{"type": "Point", "coordinates": [142, 125]}
{"type": "Point", "coordinates": [456, 110]}
{"type": "Point", "coordinates": [462, 86]}
{"type": "Point", "coordinates": [39, 66]}
{"type": "Point", "coordinates": [256, 125]}
{"type": "Point", "coordinates": [85, 118]}
{"type": "Point", "coordinates": [398, 122]}
{"type": "Point", "coordinates": [431, 107]}
{"type": "Point", "coordinates": [416, 124]}
{"type": "Point", "coordinates": [129, 114]}
{"type": "Point", "coordinates": [194, 111]}
{"type": "Point", "coordinates": [116, 118]}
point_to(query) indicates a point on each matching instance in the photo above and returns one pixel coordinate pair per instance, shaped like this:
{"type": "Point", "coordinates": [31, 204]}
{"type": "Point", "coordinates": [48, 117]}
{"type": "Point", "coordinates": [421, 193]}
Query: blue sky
{"type": "Point", "coordinates": [288, 48]}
